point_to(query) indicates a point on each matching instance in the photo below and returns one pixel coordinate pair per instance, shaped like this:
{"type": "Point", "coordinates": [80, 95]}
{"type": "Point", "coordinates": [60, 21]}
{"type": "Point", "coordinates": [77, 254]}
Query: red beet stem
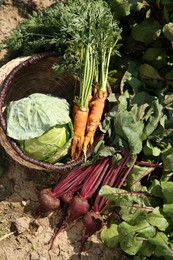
{"type": "Point", "coordinates": [72, 179]}
{"type": "Point", "coordinates": [113, 176]}
{"type": "Point", "coordinates": [149, 164]}
{"type": "Point", "coordinates": [94, 179]}
{"type": "Point", "coordinates": [121, 168]}
{"type": "Point", "coordinates": [109, 179]}
{"type": "Point", "coordinates": [69, 181]}
{"type": "Point", "coordinates": [127, 173]}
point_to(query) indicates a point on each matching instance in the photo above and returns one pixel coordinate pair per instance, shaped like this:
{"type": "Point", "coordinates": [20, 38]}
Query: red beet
{"type": "Point", "coordinates": [93, 222]}
{"type": "Point", "coordinates": [79, 204]}
{"type": "Point", "coordinates": [78, 207]}
{"type": "Point", "coordinates": [47, 201]}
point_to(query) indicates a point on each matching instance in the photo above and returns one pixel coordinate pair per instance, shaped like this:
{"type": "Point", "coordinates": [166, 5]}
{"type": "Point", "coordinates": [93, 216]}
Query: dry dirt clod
{"type": "Point", "coordinates": [34, 256]}
{"type": "Point", "coordinates": [42, 258]}
{"type": "Point", "coordinates": [22, 224]}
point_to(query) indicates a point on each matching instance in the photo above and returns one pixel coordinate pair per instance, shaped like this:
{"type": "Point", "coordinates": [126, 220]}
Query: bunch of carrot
{"type": "Point", "coordinates": [93, 36]}
{"type": "Point", "coordinates": [104, 34]}
{"type": "Point", "coordinates": [86, 123]}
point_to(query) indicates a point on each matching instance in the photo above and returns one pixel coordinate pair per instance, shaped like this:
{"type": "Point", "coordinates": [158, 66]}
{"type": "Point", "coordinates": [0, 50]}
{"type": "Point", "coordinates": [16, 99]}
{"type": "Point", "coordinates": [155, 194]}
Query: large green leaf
{"type": "Point", "coordinates": [132, 204]}
{"type": "Point", "coordinates": [149, 149]}
{"type": "Point", "coordinates": [167, 157]}
{"type": "Point", "coordinates": [110, 236]}
{"type": "Point", "coordinates": [147, 71]}
{"type": "Point", "coordinates": [120, 8]}
{"type": "Point", "coordinates": [135, 176]}
{"type": "Point", "coordinates": [157, 219]}
{"type": "Point", "coordinates": [168, 210]}
{"type": "Point", "coordinates": [128, 241]}
{"type": "Point", "coordinates": [167, 188]}
{"type": "Point", "coordinates": [125, 127]}
{"type": "Point", "coordinates": [132, 236]}
{"type": "Point", "coordinates": [162, 246]}
{"type": "Point", "coordinates": [147, 31]}
{"type": "Point", "coordinates": [152, 118]}
{"type": "Point", "coordinates": [156, 56]}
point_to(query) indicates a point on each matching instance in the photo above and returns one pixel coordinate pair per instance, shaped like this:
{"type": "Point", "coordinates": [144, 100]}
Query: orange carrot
{"type": "Point", "coordinates": [94, 118]}
{"type": "Point", "coordinates": [75, 109]}
{"type": "Point", "coordinates": [80, 122]}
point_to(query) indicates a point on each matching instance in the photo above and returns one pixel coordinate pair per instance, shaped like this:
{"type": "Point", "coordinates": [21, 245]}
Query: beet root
{"type": "Point", "coordinates": [47, 201]}
{"type": "Point", "coordinates": [93, 222]}
{"type": "Point", "coordinates": [78, 207]}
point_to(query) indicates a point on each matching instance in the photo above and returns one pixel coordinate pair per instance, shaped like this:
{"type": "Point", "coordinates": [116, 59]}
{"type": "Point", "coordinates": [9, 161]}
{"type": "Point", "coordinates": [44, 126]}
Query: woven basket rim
{"type": "Point", "coordinates": [6, 83]}
{"type": "Point", "coordinates": [4, 88]}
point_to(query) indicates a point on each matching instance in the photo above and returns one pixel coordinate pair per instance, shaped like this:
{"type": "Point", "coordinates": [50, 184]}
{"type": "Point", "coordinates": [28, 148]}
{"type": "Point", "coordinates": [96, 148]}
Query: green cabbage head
{"type": "Point", "coordinates": [42, 126]}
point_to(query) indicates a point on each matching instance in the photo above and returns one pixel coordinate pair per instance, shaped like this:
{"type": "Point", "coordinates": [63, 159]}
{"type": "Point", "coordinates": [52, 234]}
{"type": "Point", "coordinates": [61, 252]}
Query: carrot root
{"type": "Point", "coordinates": [80, 122]}
{"type": "Point", "coordinates": [94, 119]}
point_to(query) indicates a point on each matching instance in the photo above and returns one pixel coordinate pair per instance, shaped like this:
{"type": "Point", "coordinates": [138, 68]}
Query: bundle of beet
{"type": "Point", "coordinates": [79, 190]}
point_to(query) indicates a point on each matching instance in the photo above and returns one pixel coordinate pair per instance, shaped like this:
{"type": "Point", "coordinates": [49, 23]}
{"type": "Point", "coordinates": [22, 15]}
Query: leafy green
{"type": "Point", "coordinates": [147, 233]}
{"type": "Point", "coordinates": [125, 127]}
{"type": "Point", "coordinates": [168, 31]}
{"type": "Point", "coordinates": [137, 173]}
{"type": "Point", "coordinates": [132, 204]}
{"type": "Point", "coordinates": [147, 31]}
{"type": "Point", "coordinates": [41, 125]}
{"type": "Point", "coordinates": [132, 237]}
{"type": "Point", "coordinates": [133, 111]}
{"type": "Point", "coordinates": [162, 245]}
{"type": "Point", "coordinates": [30, 117]}
{"type": "Point", "coordinates": [167, 157]}
{"type": "Point", "coordinates": [47, 146]}
{"type": "Point", "coordinates": [157, 219]}
{"type": "Point", "coordinates": [146, 71]}
{"type": "Point", "coordinates": [110, 236]}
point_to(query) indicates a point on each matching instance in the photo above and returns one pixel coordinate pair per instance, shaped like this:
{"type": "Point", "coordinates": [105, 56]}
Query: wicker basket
{"type": "Point", "coordinates": [23, 76]}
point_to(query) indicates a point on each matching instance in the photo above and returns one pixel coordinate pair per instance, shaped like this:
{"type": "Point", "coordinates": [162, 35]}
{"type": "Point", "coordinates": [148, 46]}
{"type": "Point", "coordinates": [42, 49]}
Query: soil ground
{"type": "Point", "coordinates": [23, 235]}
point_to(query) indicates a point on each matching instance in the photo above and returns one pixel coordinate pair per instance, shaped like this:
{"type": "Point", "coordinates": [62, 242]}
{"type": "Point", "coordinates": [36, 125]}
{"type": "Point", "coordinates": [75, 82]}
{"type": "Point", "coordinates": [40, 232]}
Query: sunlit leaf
{"type": "Point", "coordinates": [168, 31]}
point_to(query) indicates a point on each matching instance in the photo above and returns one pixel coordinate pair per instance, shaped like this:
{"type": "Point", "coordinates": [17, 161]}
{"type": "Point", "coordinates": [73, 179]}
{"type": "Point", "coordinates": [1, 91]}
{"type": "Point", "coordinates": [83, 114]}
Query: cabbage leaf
{"type": "Point", "coordinates": [31, 116]}
{"type": "Point", "coordinates": [47, 146]}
